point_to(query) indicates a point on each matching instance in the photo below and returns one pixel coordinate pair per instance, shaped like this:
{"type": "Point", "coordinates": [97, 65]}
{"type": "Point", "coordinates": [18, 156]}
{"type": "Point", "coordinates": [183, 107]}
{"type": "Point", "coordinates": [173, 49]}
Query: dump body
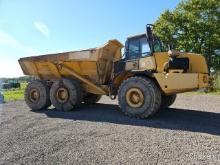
{"type": "Point", "coordinates": [95, 64]}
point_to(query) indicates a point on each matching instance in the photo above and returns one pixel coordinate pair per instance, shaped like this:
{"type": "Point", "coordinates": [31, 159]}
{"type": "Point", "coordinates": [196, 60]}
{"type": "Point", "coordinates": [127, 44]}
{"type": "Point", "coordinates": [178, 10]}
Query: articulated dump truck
{"type": "Point", "coordinates": [145, 79]}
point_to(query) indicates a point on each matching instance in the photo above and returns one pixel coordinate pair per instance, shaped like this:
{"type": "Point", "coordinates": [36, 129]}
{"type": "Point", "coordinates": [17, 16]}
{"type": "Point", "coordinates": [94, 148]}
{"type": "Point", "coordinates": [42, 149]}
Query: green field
{"type": "Point", "coordinates": [14, 94]}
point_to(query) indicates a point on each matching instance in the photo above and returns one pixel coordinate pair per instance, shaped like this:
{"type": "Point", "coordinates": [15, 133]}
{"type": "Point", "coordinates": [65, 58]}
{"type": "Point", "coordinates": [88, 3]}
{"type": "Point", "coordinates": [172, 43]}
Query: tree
{"type": "Point", "coordinates": [196, 24]}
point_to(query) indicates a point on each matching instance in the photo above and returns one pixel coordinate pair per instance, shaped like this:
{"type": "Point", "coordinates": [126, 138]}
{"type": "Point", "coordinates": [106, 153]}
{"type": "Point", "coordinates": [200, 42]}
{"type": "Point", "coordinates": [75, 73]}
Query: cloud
{"type": "Point", "coordinates": [10, 68]}
{"type": "Point", "coordinates": [8, 61]}
{"type": "Point", "coordinates": [12, 42]}
{"type": "Point", "coordinates": [42, 27]}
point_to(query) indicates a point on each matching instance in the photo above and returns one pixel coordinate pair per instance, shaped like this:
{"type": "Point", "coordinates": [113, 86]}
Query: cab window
{"type": "Point", "coordinates": [133, 49]}
{"type": "Point", "coordinates": [145, 48]}
{"type": "Point", "coordinates": [157, 46]}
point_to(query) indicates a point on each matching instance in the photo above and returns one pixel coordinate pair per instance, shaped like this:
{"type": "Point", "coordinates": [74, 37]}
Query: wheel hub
{"type": "Point", "coordinates": [62, 95]}
{"type": "Point", "coordinates": [34, 95]}
{"type": "Point", "coordinates": [134, 97]}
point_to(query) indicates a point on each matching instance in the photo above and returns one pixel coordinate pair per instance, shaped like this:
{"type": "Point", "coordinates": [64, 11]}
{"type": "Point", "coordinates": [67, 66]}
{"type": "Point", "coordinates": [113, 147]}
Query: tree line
{"type": "Point", "coordinates": [193, 26]}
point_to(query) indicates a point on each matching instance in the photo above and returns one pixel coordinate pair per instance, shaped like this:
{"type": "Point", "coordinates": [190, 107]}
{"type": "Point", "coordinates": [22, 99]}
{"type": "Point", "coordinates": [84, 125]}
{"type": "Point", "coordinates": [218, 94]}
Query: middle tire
{"type": "Point", "coordinates": [66, 94]}
{"type": "Point", "coordinates": [90, 98]}
{"type": "Point", "coordinates": [139, 97]}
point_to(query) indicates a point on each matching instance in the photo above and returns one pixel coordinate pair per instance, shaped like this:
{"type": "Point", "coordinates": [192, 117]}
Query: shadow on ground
{"type": "Point", "coordinates": [171, 118]}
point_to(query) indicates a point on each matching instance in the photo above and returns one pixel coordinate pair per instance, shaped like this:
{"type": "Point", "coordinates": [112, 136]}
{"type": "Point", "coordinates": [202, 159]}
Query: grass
{"type": "Point", "coordinates": [14, 94]}
{"type": "Point", "coordinates": [217, 92]}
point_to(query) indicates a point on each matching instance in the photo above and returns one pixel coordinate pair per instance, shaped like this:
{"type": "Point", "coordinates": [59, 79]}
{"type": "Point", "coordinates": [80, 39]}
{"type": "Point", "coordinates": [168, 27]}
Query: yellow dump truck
{"type": "Point", "coordinates": [145, 78]}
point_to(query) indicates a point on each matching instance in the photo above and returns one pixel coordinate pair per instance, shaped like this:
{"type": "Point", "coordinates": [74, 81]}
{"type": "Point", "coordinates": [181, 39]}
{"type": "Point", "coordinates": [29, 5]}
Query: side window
{"type": "Point", "coordinates": [134, 49]}
{"type": "Point", "coordinates": [145, 48]}
{"type": "Point", "coordinates": [157, 46]}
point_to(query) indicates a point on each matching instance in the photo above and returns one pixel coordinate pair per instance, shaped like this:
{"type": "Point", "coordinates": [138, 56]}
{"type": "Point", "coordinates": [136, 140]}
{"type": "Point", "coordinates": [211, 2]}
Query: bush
{"type": "Point", "coordinates": [214, 82]}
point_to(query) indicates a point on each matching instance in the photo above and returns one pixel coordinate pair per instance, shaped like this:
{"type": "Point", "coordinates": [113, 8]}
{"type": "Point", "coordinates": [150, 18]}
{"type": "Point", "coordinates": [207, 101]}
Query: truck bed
{"type": "Point", "coordinates": [96, 64]}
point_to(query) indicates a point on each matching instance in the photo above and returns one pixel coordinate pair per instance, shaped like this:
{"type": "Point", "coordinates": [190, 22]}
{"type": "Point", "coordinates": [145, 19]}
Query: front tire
{"type": "Point", "coordinates": [37, 95]}
{"type": "Point", "coordinates": [139, 97]}
{"type": "Point", "coordinates": [66, 94]}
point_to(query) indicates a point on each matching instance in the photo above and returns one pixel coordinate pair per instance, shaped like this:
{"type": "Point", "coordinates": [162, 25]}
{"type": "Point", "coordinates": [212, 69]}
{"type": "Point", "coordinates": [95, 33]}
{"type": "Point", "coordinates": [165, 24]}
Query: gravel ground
{"type": "Point", "coordinates": [186, 133]}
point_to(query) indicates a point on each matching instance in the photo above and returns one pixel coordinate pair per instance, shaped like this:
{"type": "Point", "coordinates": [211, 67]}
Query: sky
{"type": "Point", "coordinates": [33, 27]}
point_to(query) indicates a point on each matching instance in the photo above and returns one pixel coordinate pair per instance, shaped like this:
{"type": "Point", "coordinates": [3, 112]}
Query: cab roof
{"type": "Point", "coordinates": [137, 36]}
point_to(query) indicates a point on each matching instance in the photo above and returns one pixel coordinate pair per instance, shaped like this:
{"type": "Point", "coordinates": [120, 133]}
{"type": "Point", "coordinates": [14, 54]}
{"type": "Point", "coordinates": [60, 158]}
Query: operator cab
{"type": "Point", "coordinates": [137, 48]}
{"type": "Point", "coordinates": [138, 54]}
{"type": "Point", "coordinates": [142, 45]}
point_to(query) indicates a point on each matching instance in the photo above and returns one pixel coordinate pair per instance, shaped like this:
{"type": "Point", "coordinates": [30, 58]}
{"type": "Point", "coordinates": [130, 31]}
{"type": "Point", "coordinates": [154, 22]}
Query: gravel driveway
{"type": "Point", "coordinates": [188, 132]}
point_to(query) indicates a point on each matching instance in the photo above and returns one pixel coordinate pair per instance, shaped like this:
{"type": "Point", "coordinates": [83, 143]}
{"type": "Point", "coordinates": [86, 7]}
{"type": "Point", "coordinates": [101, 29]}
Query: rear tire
{"type": "Point", "coordinates": [139, 97]}
{"type": "Point", "coordinates": [167, 100]}
{"type": "Point", "coordinates": [91, 98]}
{"type": "Point", "coordinates": [66, 94]}
{"type": "Point", "coordinates": [37, 95]}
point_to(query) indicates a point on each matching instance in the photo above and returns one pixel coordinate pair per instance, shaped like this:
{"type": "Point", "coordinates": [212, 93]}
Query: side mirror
{"type": "Point", "coordinates": [149, 33]}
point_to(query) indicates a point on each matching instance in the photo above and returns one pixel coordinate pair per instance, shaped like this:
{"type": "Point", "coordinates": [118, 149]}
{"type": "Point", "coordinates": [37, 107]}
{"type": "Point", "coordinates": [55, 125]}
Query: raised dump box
{"type": "Point", "coordinates": [95, 64]}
